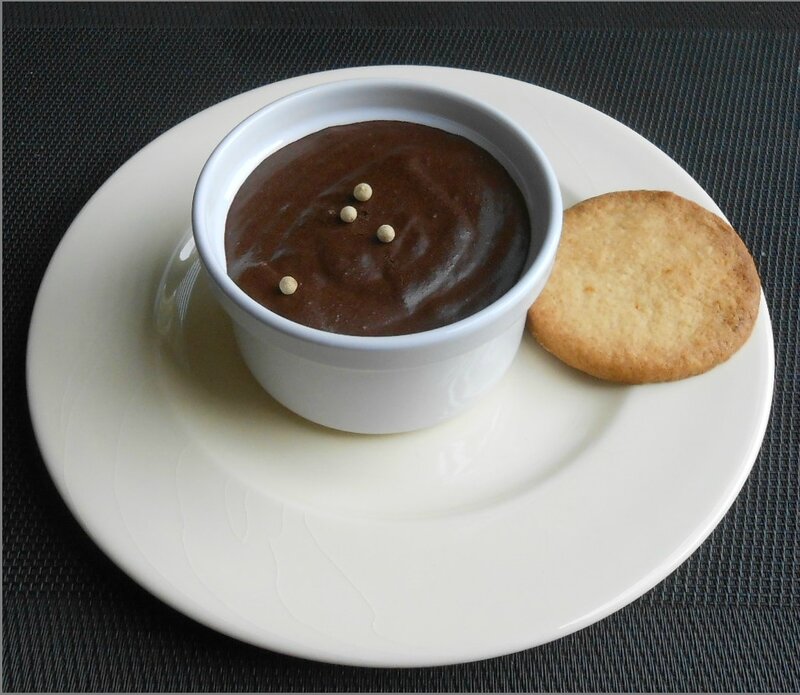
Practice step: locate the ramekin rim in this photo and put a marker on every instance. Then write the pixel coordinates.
(442, 334)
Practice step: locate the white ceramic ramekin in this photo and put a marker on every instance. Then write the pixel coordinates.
(387, 384)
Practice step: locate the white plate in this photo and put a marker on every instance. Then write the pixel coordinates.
(554, 502)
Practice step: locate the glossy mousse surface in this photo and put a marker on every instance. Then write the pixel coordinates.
(461, 224)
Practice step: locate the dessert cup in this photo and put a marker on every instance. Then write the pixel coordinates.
(387, 384)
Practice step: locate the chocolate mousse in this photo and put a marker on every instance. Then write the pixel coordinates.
(459, 230)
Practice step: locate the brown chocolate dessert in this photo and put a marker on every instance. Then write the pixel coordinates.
(459, 240)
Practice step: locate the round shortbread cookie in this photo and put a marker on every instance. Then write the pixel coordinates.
(647, 286)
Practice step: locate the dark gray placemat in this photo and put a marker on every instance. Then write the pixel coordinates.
(716, 86)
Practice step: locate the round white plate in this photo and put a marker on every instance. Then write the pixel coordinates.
(554, 502)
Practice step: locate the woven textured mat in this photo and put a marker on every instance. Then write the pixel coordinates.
(717, 87)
